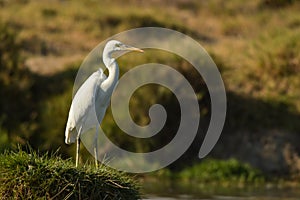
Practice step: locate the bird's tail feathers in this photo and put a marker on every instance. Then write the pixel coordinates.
(71, 135)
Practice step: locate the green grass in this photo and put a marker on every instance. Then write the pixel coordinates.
(33, 176)
(210, 172)
(223, 172)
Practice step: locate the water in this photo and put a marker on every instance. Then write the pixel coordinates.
(175, 191)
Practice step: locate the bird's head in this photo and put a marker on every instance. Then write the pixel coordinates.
(114, 49)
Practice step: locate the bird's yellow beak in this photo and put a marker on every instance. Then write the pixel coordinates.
(135, 49)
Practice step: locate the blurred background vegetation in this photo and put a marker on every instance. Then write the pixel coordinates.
(255, 44)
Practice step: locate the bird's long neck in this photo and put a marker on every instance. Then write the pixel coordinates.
(113, 76)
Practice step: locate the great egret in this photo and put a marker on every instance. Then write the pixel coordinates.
(94, 96)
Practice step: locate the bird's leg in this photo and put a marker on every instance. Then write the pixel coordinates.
(96, 146)
(77, 150)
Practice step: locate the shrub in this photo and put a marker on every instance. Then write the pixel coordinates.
(222, 172)
(16, 104)
(276, 3)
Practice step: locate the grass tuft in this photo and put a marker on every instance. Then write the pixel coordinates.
(33, 176)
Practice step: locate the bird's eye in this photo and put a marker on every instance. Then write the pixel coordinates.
(118, 45)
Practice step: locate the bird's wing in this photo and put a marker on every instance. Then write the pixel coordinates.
(101, 77)
(82, 113)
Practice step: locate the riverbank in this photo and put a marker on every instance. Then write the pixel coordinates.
(214, 176)
(33, 176)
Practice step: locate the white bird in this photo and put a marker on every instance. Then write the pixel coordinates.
(93, 97)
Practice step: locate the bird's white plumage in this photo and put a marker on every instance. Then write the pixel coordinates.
(83, 108)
